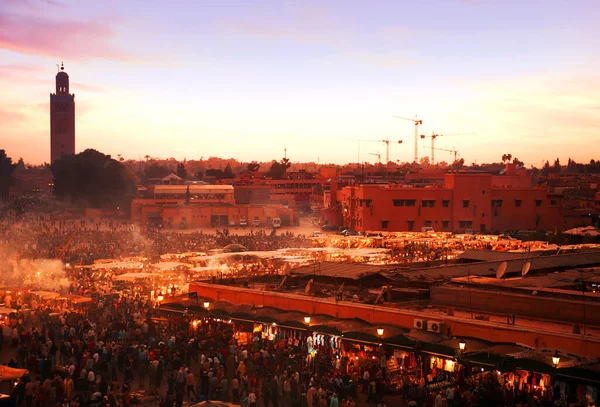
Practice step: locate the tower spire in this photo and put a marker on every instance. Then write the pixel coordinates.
(62, 66)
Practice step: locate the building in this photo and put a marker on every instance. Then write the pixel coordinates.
(466, 201)
(198, 206)
(62, 118)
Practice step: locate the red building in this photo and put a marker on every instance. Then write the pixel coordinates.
(477, 201)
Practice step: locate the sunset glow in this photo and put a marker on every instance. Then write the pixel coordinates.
(246, 79)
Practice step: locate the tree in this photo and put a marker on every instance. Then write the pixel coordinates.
(156, 171)
(253, 166)
(546, 169)
(93, 179)
(6, 170)
(506, 158)
(181, 171)
(458, 164)
(228, 173)
(556, 168)
(424, 162)
(276, 171)
(518, 162)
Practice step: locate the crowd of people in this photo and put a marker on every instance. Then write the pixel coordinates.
(119, 351)
(83, 241)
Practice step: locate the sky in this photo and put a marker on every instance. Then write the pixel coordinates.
(247, 78)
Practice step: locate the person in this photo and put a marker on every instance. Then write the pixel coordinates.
(251, 399)
(191, 384)
(439, 402)
(334, 401)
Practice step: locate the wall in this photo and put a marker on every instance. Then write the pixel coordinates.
(475, 188)
(555, 309)
(197, 216)
(527, 216)
(489, 331)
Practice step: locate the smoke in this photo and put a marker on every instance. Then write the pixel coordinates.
(38, 274)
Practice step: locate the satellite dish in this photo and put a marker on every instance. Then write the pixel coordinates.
(525, 269)
(501, 270)
(308, 286)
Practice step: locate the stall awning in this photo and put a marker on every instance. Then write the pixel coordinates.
(10, 373)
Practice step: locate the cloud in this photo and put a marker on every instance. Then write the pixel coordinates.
(35, 35)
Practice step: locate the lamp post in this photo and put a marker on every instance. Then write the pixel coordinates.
(462, 345)
(556, 359)
(380, 332)
(206, 305)
(307, 320)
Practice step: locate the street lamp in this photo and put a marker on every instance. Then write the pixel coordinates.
(206, 304)
(462, 345)
(307, 320)
(380, 332)
(160, 297)
(556, 359)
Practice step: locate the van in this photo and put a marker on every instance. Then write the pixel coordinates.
(243, 222)
(427, 229)
(255, 223)
(276, 222)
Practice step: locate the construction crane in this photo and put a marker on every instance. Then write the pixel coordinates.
(378, 156)
(417, 123)
(387, 147)
(448, 150)
(435, 136)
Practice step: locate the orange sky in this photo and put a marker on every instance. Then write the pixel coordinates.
(244, 80)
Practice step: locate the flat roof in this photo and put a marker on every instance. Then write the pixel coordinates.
(443, 273)
(353, 271)
(193, 188)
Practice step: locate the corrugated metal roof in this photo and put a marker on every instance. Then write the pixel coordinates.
(493, 255)
(354, 271)
(443, 273)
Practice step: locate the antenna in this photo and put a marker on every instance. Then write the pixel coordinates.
(284, 152)
(501, 271)
(57, 68)
(525, 269)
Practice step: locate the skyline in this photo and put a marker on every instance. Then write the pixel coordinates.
(269, 75)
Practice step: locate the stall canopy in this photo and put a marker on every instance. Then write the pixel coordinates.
(4, 310)
(11, 373)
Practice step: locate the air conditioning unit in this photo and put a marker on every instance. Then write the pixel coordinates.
(435, 326)
(420, 324)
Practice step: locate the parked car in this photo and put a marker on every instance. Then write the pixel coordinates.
(255, 223)
(349, 232)
(243, 223)
(318, 233)
(329, 227)
(276, 222)
(427, 229)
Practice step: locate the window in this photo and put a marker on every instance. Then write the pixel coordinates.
(428, 223)
(411, 224)
(384, 224)
(428, 203)
(411, 202)
(466, 203)
(398, 202)
(445, 224)
(445, 203)
(553, 202)
(538, 203)
(497, 203)
(517, 203)
(465, 224)
(368, 202)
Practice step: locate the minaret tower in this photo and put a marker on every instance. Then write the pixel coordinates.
(62, 118)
